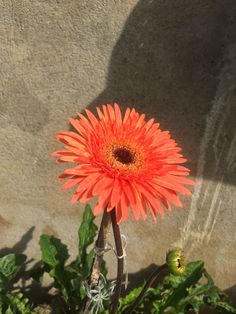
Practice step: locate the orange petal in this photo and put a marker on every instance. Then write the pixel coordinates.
(69, 158)
(125, 206)
(177, 187)
(70, 183)
(185, 180)
(75, 198)
(138, 205)
(140, 121)
(116, 192)
(59, 161)
(149, 124)
(127, 114)
(87, 195)
(78, 126)
(171, 196)
(63, 176)
(63, 153)
(152, 210)
(85, 122)
(77, 150)
(91, 117)
(100, 114)
(89, 181)
(102, 185)
(105, 112)
(103, 201)
(69, 140)
(118, 116)
(111, 112)
(151, 199)
(127, 189)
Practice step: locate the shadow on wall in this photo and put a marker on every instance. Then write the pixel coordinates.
(21, 245)
(167, 63)
(28, 287)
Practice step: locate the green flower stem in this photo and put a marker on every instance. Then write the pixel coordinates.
(148, 284)
(120, 261)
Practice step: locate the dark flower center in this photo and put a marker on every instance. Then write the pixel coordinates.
(123, 155)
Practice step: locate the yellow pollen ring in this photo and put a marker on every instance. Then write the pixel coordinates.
(124, 157)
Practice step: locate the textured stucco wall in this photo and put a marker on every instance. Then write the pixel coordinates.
(174, 60)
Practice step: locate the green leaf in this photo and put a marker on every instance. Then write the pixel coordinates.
(70, 273)
(87, 233)
(9, 310)
(128, 300)
(179, 284)
(15, 303)
(86, 267)
(10, 265)
(225, 306)
(53, 251)
(19, 304)
(215, 297)
(165, 297)
(87, 230)
(64, 283)
(180, 293)
(103, 268)
(55, 254)
(38, 272)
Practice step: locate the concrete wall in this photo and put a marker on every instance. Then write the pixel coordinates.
(174, 60)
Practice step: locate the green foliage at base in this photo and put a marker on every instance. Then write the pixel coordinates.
(10, 265)
(15, 304)
(179, 292)
(12, 303)
(68, 279)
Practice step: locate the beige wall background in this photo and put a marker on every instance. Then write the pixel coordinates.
(175, 61)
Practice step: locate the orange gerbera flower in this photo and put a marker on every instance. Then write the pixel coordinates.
(126, 162)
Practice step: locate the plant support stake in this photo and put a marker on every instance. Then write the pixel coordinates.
(99, 252)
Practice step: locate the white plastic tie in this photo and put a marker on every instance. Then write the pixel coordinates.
(123, 256)
(101, 251)
(109, 247)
